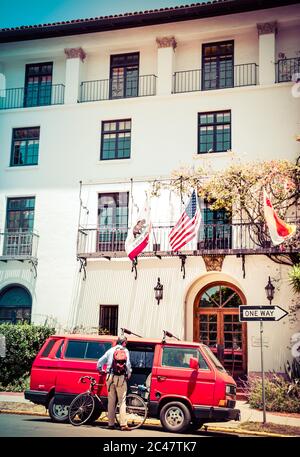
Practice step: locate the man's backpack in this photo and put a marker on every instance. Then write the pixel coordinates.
(118, 366)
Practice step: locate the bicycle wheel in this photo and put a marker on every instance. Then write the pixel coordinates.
(136, 411)
(81, 409)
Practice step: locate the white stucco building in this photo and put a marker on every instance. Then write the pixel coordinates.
(92, 113)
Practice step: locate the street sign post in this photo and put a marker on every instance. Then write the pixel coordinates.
(261, 313)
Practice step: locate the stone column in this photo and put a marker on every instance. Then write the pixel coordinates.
(165, 64)
(266, 34)
(75, 58)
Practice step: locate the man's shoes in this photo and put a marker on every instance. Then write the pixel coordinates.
(111, 427)
(125, 428)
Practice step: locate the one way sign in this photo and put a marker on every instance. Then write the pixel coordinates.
(261, 313)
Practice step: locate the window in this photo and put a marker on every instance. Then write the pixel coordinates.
(124, 75)
(180, 357)
(92, 350)
(15, 305)
(19, 226)
(116, 139)
(217, 65)
(20, 214)
(48, 348)
(113, 221)
(25, 146)
(141, 357)
(214, 131)
(216, 230)
(109, 319)
(38, 84)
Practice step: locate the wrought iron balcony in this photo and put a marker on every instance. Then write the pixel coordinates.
(22, 97)
(19, 245)
(230, 76)
(235, 238)
(108, 89)
(286, 68)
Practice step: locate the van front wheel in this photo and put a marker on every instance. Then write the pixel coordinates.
(175, 417)
(57, 411)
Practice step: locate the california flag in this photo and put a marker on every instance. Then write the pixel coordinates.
(279, 230)
(138, 235)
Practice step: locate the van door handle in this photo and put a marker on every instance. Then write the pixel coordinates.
(161, 378)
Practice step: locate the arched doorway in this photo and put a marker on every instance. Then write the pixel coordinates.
(15, 304)
(216, 323)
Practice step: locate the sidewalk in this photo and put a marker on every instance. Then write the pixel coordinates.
(8, 399)
(252, 415)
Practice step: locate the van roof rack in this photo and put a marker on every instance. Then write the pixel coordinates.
(169, 335)
(129, 332)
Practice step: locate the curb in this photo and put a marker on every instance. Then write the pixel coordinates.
(23, 413)
(208, 428)
(242, 431)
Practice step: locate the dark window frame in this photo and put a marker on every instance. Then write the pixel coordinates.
(39, 75)
(214, 124)
(14, 130)
(216, 43)
(21, 210)
(113, 327)
(125, 67)
(116, 132)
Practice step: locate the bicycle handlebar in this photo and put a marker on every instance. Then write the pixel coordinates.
(90, 378)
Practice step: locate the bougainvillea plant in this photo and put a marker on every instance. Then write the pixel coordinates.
(238, 190)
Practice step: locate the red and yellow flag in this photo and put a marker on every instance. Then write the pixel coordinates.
(279, 230)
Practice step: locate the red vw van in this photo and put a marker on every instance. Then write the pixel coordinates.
(187, 380)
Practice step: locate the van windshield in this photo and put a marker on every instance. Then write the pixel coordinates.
(213, 358)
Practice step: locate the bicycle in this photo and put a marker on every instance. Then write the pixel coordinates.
(87, 406)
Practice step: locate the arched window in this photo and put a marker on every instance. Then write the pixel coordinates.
(220, 296)
(15, 304)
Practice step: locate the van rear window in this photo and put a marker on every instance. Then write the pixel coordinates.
(48, 348)
(91, 350)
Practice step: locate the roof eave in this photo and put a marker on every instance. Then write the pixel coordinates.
(139, 20)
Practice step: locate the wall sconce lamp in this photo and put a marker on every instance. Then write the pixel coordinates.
(270, 289)
(159, 288)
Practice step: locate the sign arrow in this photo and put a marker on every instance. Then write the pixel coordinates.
(262, 313)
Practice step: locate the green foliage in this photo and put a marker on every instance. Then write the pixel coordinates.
(281, 396)
(23, 341)
(294, 277)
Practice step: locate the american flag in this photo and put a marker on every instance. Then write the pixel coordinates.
(188, 225)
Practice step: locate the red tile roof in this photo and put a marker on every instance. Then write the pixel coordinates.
(137, 19)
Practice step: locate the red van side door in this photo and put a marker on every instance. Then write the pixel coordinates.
(173, 376)
(79, 358)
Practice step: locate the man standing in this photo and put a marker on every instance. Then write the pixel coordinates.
(118, 369)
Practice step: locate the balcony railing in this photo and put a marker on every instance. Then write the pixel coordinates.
(230, 76)
(286, 68)
(235, 238)
(18, 245)
(26, 98)
(108, 89)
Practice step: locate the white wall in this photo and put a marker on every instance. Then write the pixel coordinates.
(265, 121)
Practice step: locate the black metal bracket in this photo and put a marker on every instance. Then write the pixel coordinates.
(133, 267)
(34, 264)
(83, 264)
(243, 266)
(183, 260)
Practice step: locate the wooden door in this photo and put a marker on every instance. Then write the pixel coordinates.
(216, 324)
